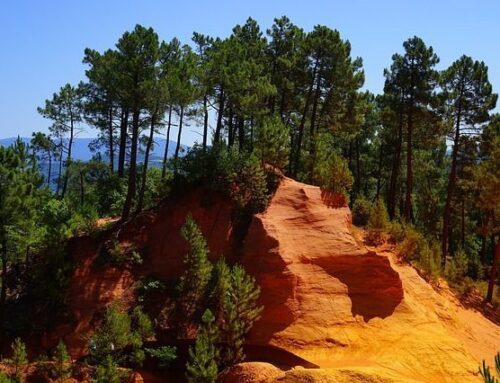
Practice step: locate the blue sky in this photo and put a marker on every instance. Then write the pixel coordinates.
(42, 42)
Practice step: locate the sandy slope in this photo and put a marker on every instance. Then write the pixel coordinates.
(344, 307)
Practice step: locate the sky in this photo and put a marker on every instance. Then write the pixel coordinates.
(42, 42)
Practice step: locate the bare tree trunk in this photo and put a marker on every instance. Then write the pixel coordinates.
(205, 122)
(140, 202)
(111, 143)
(68, 158)
(123, 142)
(179, 133)
(132, 178)
(409, 168)
(167, 142)
(451, 188)
(218, 127)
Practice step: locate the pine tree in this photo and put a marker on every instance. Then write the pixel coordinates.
(19, 359)
(65, 109)
(202, 366)
(241, 310)
(271, 142)
(108, 372)
(61, 358)
(194, 281)
(468, 97)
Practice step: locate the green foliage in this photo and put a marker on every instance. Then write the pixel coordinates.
(4, 378)
(195, 279)
(457, 267)
(361, 211)
(429, 259)
(61, 360)
(202, 366)
(165, 355)
(121, 336)
(237, 174)
(108, 372)
(271, 142)
(241, 310)
(485, 372)
(331, 170)
(19, 359)
(378, 222)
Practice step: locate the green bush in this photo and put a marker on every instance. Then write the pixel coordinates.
(271, 141)
(429, 259)
(361, 211)
(164, 355)
(238, 175)
(409, 247)
(121, 336)
(108, 372)
(457, 267)
(4, 378)
(378, 223)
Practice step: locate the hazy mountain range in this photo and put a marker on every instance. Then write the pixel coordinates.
(82, 152)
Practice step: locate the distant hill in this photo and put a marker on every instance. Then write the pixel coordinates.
(82, 152)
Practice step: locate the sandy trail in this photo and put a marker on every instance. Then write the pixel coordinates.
(342, 306)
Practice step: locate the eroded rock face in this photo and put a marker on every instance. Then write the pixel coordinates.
(342, 307)
(358, 314)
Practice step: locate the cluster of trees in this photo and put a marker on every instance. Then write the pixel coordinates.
(224, 322)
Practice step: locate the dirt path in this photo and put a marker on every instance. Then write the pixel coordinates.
(339, 305)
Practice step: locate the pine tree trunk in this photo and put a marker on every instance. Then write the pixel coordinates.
(132, 178)
(241, 132)
(140, 202)
(60, 168)
(50, 168)
(123, 142)
(396, 165)
(303, 122)
(409, 168)
(68, 158)
(218, 127)
(167, 142)
(493, 273)
(205, 122)
(111, 143)
(179, 133)
(451, 187)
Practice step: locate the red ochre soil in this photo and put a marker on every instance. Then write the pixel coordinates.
(356, 312)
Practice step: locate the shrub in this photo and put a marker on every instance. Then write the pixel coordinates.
(121, 336)
(397, 231)
(485, 372)
(108, 372)
(361, 211)
(457, 267)
(409, 246)
(19, 358)
(429, 258)
(330, 170)
(164, 355)
(4, 378)
(377, 223)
